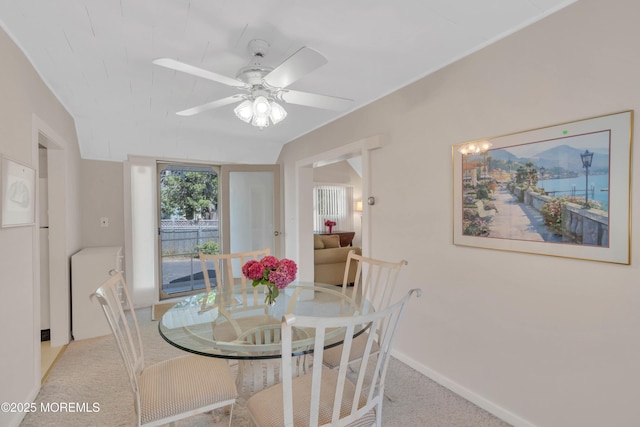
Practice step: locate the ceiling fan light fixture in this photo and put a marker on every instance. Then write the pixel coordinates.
(260, 120)
(278, 113)
(261, 106)
(258, 111)
(244, 111)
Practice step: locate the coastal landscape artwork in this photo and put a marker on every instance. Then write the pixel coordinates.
(561, 190)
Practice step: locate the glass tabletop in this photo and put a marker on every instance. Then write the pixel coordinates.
(233, 324)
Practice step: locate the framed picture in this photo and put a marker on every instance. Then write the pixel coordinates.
(561, 190)
(18, 194)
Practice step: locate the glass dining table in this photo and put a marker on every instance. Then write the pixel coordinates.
(237, 324)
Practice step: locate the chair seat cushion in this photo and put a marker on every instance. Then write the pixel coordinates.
(184, 384)
(267, 409)
(332, 355)
(230, 330)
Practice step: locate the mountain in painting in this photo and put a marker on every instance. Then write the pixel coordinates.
(561, 157)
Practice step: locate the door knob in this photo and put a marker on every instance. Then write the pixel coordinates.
(276, 233)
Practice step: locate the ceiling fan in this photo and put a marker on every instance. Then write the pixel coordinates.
(264, 86)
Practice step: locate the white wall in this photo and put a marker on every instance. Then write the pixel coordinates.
(101, 194)
(537, 340)
(25, 101)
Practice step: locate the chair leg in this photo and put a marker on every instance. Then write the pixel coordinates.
(230, 414)
(240, 376)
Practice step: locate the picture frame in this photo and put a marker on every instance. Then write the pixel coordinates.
(562, 190)
(17, 204)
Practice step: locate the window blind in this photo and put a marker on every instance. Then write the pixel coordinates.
(333, 202)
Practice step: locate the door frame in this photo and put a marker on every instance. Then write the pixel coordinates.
(302, 238)
(160, 164)
(60, 309)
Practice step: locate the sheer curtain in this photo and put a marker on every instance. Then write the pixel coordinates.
(335, 203)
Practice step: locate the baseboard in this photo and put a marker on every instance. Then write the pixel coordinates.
(476, 399)
(15, 419)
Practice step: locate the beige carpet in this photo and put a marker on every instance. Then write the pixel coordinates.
(91, 371)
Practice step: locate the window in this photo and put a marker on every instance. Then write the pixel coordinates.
(333, 202)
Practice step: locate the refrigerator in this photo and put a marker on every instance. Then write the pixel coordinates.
(89, 268)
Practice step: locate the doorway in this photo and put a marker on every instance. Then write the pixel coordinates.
(48, 353)
(227, 209)
(337, 197)
(188, 223)
(301, 241)
(51, 275)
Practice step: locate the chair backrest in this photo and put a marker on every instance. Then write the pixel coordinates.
(345, 400)
(374, 280)
(113, 296)
(228, 269)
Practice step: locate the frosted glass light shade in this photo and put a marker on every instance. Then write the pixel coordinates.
(278, 113)
(244, 111)
(260, 120)
(261, 106)
(258, 111)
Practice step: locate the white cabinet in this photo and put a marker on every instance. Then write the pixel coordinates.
(89, 268)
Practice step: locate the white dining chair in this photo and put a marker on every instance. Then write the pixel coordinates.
(258, 374)
(328, 397)
(169, 390)
(228, 271)
(374, 281)
(246, 297)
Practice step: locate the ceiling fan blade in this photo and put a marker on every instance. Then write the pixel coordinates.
(316, 100)
(210, 105)
(294, 67)
(195, 71)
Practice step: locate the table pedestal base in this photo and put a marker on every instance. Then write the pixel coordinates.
(256, 375)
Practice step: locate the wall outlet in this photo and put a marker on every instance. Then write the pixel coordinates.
(104, 222)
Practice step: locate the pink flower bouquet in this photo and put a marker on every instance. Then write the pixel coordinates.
(273, 273)
(329, 224)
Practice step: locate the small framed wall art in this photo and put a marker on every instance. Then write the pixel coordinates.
(18, 194)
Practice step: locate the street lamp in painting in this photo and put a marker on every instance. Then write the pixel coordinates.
(587, 158)
(542, 171)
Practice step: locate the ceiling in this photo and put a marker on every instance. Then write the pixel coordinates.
(96, 57)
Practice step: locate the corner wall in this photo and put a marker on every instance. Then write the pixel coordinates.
(25, 100)
(536, 340)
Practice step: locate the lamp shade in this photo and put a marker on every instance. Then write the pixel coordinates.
(278, 113)
(261, 106)
(259, 111)
(244, 111)
(260, 120)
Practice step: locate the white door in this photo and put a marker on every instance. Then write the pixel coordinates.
(250, 208)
